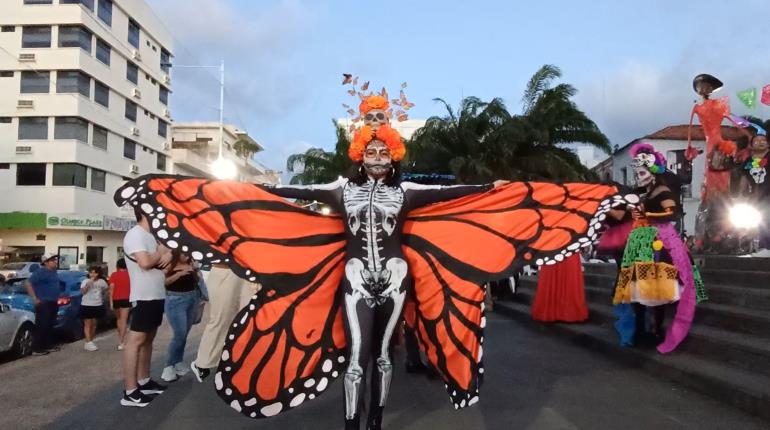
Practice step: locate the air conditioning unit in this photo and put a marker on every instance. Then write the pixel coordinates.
(23, 149)
(135, 131)
(166, 113)
(167, 79)
(136, 55)
(167, 146)
(136, 93)
(25, 104)
(134, 169)
(27, 57)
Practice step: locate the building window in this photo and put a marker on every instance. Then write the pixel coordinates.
(71, 127)
(38, 1)
(30, 174)
(129, 149)
(624, 174)
(73, 82)
(33, 128)
(131, 110)
(161, 162)
(8, 28)
(75, 36)
(100, 137)
(101, 94)
(133, 33)
(35, 82)
(6, 74)
(162, 128)
(163, 95)
(36, 37)
(87, 3)
(105, 11)
(165, 60)
(103, 51)
(69, 174)
(98, 179)
(5, 120)
(132, 72)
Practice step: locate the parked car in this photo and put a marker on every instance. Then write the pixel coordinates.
(18, 270)
(16, 330)
(68, 320)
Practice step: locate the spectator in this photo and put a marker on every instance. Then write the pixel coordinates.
(146, 261)
(120, 288)
(181, 307)
(92, 304)
(43, 288)
(227, 295)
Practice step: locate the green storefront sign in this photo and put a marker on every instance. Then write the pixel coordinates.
(75, 222)
(22, 220)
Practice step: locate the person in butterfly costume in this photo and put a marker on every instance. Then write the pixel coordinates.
(334, 286)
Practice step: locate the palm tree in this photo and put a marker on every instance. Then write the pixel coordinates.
(316, 166)
(483, 142)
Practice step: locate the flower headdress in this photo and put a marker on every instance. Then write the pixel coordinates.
(645, 155)
(370, 101)
(385, 134)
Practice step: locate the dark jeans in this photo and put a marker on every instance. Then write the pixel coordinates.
(45, 318)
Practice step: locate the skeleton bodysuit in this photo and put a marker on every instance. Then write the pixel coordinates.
(376, 274)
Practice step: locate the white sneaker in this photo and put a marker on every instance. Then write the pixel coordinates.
(169, 374)
(181, 369)
(90, 346)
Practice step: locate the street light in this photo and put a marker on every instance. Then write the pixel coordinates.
(222, 168)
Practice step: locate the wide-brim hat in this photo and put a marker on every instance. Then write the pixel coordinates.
(707, 79)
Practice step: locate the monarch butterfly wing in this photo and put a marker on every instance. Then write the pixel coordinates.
(286, 345)
(456, 246)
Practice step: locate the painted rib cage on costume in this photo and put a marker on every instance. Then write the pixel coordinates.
(289, 343)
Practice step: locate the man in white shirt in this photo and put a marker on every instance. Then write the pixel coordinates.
(145, 260)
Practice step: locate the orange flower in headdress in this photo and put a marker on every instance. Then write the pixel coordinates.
(373, 102)
(385, 134)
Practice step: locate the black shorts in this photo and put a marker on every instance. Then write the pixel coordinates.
(117, 304)
(91, 312)
(146, 315)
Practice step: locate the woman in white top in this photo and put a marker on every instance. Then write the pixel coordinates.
(92, 304)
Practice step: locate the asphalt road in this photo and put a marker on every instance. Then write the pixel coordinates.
(533, 381)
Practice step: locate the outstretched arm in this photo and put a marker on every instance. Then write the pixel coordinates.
(325, 193)
(418, 195)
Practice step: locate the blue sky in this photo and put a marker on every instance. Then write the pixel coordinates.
(632, 62)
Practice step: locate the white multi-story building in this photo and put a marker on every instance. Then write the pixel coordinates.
(84, 89)
(195, 147)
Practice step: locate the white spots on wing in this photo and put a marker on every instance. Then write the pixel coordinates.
(296, 401)
(231, 337)
(127, 192)
(251, 402)
(574, 246)
(462, 403)
(311, 397)
(147, 208)
(244, 318)
(291, 390)
(327, 366)
(163, 234)
(271, 410)
(539, 262)
(631, 198)
(335, 374)
(235, 405)
(309, 383)
(225, 355)
(559, 257)
(155, 223)
(172, 244)
(218, 381)
(253, 414)
(197, 255)
(209, 255)
(229, 392)
(341, 359)
(252, 307)
(473, 400)
(483, 322)
(481, 352)
(322, 384)
(185, 248)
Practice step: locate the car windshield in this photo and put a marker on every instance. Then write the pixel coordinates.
(12, 266)
(14, 286)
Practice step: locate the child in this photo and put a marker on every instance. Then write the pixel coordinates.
(120, 290)
(92, 304)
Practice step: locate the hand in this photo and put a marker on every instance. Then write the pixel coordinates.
(164, 260)
(500, 182)
(637, 212)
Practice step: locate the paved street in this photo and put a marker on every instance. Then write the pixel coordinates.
(534, 381)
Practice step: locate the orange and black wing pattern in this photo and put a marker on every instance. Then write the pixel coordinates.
(288, 343)
(455, 247)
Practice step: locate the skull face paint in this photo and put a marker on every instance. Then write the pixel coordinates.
(377, 161)
(375, 118)
(641, 164)
(758, 174)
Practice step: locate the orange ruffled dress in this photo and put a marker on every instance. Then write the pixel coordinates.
(711, 113)
(560, 295)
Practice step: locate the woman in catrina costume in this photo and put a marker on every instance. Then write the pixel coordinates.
(336, 286)
(656, 269)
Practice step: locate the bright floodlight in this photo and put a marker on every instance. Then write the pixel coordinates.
(223, 168)
(743, 215)
(325, 210)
